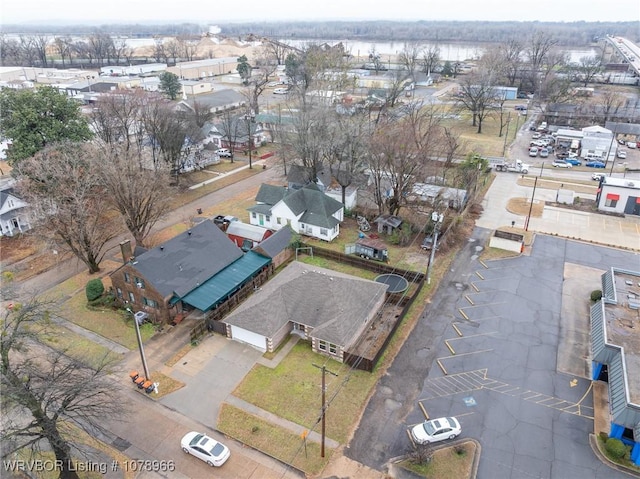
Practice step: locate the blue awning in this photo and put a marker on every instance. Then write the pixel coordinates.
(230, 279)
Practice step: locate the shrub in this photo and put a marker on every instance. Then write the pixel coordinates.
(94, 289)
(615, 447)
(596, 295)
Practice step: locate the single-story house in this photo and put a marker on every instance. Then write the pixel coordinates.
(308, 211)
(246, 236)
(196, 87)
(198, 269)
(330, 309)
(439, 195)
(14, 211)
(216, 102)
(299, 176)
(619, 195)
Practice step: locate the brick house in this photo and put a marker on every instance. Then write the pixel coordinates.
(197, 270)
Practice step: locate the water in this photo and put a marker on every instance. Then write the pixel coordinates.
(454, 52)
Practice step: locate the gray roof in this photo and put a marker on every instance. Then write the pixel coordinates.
(276, 243)
(216, 99)
(270, 194)
(246, 230)
(334, 305)
(188, 260)
(623, 128)
(300, 176)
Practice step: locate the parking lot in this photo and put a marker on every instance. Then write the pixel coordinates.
(502, 347)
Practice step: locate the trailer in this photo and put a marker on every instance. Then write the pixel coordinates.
(516, 167)
(372, 249)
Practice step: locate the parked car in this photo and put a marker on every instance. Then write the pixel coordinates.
(205, 448)
(573, 161)
(535, 135)
(533, 151)
(622, 154)
(427, 243)
(280, 91)
(632, 144)
(595, 164)
(520, 107)
(598, 176)
(561, 164)
(273, 84)
(621, 141)
(544, 153)
(224, 152)
(436, 430)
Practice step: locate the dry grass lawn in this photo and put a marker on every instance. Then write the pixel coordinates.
(521, 206)
(447, 462)
(273, 440)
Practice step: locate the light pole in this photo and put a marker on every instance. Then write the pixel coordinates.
(437, 224)
(250, 118)
(139, 338)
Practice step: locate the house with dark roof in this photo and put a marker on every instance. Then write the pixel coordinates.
(14, 211)
(330, 309)
(277, 247)
(198, 269)
(308, 211)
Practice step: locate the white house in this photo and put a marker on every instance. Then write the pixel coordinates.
(598, 144)
(308, 211)
(619, 195)
(14, 217)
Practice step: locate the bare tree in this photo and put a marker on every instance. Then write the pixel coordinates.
(430, 58)
(188, 47)
(540, 43)
(260, 73)
(276, 49)
(409, 57)
(66, 195)
(511, 52)
(141, 195)
(346, 149)
(477, 94)
(588, 68)
(120, 50)
(101, 45)
(28, 50)
(9, 50)
(41, 44)
(231, 129)
(160, 51)
(62, 46)
(611, 102)
(43, 390)
(117, 115)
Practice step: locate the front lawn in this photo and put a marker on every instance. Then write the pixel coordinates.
(292, 390)
(272, 439)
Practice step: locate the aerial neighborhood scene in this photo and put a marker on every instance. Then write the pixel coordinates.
(353, 240)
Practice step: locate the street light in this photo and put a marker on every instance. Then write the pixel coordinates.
(437, 219)
(250, 118)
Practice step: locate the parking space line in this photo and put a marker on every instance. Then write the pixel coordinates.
(479, 275)
(473, 285)
(449, 346)
(458, 332)
(483, 264)
(441, 367)
(424, 411)
(463, 314)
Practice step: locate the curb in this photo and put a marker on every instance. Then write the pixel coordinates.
(405, 474)
(593, 442)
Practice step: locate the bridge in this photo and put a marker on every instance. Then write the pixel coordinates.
(624, 50)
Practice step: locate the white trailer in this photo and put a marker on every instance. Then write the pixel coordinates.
(516, 167)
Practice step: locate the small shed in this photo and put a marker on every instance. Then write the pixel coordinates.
(387, 223)
(372, 249)
(246, 236)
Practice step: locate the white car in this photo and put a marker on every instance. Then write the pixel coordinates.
(533, 151)
(598, 176)
(224, 152)
(622, 154)
(561, 164)
(436, 430)
(280, 91)
(632, 144)
(203, 447)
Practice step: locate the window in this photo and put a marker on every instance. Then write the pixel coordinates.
(267, 218)
(302, 227)
(119, 293)
(139, 282)
(127, 278)
(327, 347)
(132, 297)
(253, 215)
(611, 200)
(279, 220)
(149, 302)
(10, 203)
(323, 231)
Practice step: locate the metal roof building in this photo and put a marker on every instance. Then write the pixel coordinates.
(615, 349)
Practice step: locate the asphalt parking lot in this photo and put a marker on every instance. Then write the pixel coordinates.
(495, 348)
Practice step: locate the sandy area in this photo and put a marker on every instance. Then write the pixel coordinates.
(216, 48)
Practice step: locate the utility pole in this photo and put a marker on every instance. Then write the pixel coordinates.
(324, 407)
(535, 183)
(437, 223)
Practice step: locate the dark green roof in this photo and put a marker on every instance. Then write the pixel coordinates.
(218, 288)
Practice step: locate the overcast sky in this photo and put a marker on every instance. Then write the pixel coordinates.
(211, 12)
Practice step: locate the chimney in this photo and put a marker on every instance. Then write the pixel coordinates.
(125, 250)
